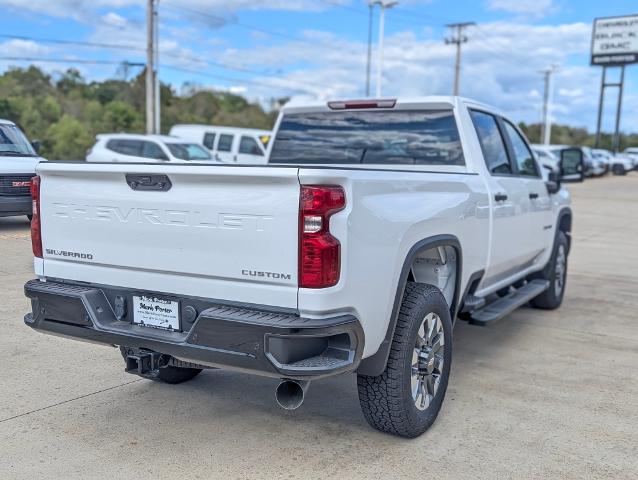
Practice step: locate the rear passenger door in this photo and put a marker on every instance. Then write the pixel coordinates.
(540, 225)
(510, 250)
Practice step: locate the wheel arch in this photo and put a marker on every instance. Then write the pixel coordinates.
(564, 224)
(375, 364)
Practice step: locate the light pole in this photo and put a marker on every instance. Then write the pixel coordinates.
(384, 4)
(546, 135)
(370, 21)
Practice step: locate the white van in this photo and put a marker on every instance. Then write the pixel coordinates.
(18, 159)
(228, 144)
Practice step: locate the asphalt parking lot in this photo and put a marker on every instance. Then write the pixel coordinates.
(540, 395)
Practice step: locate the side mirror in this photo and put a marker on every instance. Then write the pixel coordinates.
(36, 145)
(572, 165)
(553, 182)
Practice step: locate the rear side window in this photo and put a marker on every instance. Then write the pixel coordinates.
(225, 143)
(492, 143)
(126, 147)
(522, 153)
(249, 146)
(370, 137)
(209, 140)
(154, 151)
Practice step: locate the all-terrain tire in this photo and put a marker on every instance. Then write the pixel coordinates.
(556, 273)
(387, 400)
(169, 374)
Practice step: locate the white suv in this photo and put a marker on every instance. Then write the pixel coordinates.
(127, 148)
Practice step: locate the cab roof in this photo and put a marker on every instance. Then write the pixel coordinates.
(6, 122)
(443, 102)
(139, 136)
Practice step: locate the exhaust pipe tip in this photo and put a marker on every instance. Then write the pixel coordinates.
(290, 394)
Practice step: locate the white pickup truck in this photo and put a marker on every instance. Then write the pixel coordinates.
(375, 226)
(18, 159)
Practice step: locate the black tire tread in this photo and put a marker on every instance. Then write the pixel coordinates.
(548, 300)
(381, 397)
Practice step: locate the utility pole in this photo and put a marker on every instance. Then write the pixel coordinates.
(546, 132)
(458, 39)
(384, 4)
(151, 73)
(157, 92)
(370, 22)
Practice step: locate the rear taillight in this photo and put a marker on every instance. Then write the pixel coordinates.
(36, 231)
(319, 251)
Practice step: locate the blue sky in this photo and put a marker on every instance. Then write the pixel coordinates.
(316, 48)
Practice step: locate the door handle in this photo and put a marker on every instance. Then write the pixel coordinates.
(533, 196)
(500, 197)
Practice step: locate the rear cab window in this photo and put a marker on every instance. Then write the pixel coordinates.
(153, 151)
(387, 137)
(132, 148)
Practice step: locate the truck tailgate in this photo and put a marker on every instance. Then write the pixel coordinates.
(227, 233)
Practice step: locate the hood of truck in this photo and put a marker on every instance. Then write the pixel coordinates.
(11, 165)
(227, 233)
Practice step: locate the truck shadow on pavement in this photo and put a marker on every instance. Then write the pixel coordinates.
(226, 402)
(14, 225)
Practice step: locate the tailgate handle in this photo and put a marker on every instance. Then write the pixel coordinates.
(148, 183)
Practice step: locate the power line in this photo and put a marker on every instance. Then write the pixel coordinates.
(73, 42)
(236, 80)
(168, 67)
(68, 60)
(134, 48)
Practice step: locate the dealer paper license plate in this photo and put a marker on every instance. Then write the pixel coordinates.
(156, 312)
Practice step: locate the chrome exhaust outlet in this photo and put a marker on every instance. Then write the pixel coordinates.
(290, 393)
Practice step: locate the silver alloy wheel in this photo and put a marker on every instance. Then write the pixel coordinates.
(560, 271)
(427, 361)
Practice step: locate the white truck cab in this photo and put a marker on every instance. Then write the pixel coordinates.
(18, 160)
(228, 144)
(374, 226)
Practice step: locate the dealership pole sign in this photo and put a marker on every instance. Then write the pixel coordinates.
(615, 41)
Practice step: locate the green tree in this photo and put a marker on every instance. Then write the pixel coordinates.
(67, 139)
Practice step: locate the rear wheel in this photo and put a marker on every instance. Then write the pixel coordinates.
(175, 375)
(619, 170)
(556, 273)
(407, 397)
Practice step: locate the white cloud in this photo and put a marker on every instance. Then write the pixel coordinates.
(22, 48)
(114, 20)
(83, 9)
(501, 66)
(534, 8)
